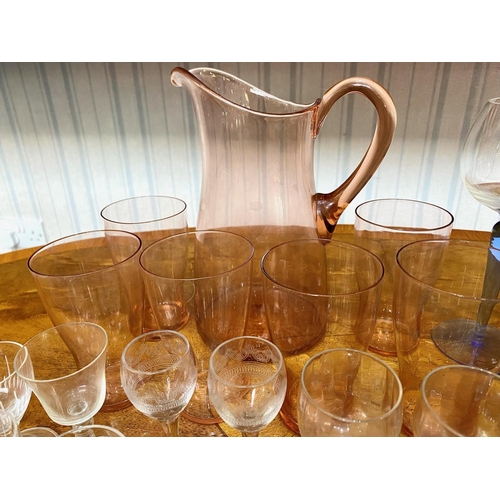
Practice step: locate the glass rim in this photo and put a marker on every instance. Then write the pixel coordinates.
(300, 109)
(47, 430)
(404, 200)
(173, 333)
(83, 428)
(271, 377)
(53, 244)
(439, 369)
(24, 351)
(494, 100)
(343, 244)
(183, 204)
(384, 416)
(190, 234)
(479, 244)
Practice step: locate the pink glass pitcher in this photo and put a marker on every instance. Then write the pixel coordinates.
(258, 175)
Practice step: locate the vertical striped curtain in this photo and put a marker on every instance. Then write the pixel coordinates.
(75, 137)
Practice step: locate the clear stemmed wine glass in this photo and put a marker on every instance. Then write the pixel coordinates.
(15, 394)
(247, 383)
(476, 342)
(65, 367)
(480, 160)
(158, 374)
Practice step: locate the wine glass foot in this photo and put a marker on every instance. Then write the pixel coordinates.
(93, 430)
(468, 343)
(250, 434)
(170, 427)
(38, 432)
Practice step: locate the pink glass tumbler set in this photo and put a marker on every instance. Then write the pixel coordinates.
(261, 310)
(322, 300)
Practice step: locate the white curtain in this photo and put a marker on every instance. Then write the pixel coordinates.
(75, 137)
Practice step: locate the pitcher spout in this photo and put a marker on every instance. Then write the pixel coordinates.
(232, 90)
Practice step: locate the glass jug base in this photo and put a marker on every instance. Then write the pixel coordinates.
(288, 410)
(199, 409)
(257, 325)
(383, 341)
(290, 421)
(116, 399)
(111, 405)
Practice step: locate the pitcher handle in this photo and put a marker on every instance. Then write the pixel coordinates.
(329, 206)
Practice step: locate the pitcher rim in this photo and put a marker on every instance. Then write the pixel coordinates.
(305, 108)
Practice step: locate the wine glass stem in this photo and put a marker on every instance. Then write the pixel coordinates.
(250, 434)
(491, 285)
(170, 428)
(87, 433)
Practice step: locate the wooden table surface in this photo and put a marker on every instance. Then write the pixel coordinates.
(22, 316)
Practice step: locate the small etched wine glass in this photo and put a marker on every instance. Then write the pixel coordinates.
(247, 383)
(65, 367)
(15, 394)
(158, 374)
